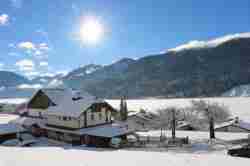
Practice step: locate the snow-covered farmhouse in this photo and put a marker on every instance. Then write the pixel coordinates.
(76, 118)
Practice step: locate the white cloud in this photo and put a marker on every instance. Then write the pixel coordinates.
(55, 83)
(13, 54)
(43, 80)
(16, 3)
(1, 66)
(4, 19)
(29, 86)
(31, 74)
(39, 51)
(25, 65)
(43, 46)
(48, 74)
(43, 64)
(11, 45)
(62, 72)
(27, 45)
(210, 43)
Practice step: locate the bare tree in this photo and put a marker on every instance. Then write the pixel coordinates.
(209, 113)
(168, 118)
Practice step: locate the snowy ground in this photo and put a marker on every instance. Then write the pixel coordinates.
(6, 118)
(238, 106)
(197, 135)
(196, 154)
(52, 156)
(12, 100)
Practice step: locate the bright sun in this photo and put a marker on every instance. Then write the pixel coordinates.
(91, 31)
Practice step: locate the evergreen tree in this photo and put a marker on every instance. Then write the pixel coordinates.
(123, 110)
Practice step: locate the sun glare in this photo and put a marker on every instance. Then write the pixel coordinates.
(91, 31)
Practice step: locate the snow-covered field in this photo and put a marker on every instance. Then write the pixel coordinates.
(238, 106)
(196, 155)
(6, 118)
(197, 135)
(12, 100)
(52, 156)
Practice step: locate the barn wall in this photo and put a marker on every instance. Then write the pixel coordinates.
(40, 100)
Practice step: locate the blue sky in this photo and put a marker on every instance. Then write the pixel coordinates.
(41, 37)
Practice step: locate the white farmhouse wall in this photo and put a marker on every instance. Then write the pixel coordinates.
(79, 122)
(58, 121)
(97, 120)
(36, 112)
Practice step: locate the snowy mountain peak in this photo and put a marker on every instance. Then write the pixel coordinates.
(239, 91)
(196, 44)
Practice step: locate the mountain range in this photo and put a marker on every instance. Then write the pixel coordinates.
(207, 69)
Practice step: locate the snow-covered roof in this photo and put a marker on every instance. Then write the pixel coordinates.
(241, 124)
(109, 130)
(147, 116)
(69, 107)
(56, 95)
(27, 121)
(183, 124)
(10, 128)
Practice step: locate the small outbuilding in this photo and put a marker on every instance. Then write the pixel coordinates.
(142, 121)
(183, 125)
(235, 125)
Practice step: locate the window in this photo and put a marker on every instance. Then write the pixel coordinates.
(64, 118)
(69, 118)
(92, 116)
